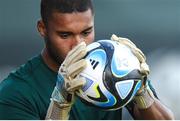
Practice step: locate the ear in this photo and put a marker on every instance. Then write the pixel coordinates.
(41, 28)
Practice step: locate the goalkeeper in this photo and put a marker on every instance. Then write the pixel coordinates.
(44, 87)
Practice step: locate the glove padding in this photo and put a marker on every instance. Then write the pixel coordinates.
(72, 66)
(67, 83)
(144, 97)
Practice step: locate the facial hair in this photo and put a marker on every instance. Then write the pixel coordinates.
(53, 53)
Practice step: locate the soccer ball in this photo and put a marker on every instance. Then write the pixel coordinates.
(112, 75)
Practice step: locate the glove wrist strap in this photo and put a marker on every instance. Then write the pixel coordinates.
(144, 99)
(61, 96)
(58, 111)
(57, 96)
(59, 107)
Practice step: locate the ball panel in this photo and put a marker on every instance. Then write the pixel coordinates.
(123, 61)
(124, 87)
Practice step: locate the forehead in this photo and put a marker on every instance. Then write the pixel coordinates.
(71, 21)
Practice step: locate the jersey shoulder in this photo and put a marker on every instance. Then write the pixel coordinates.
(24, 91)
(16, 100)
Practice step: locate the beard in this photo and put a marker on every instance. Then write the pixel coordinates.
(53, 53)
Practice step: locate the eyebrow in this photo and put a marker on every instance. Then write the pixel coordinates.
(67, 32)
(64, 32)
(89, 28)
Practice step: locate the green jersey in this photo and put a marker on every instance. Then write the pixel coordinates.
(25, 94)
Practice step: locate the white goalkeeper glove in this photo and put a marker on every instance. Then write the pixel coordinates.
(144, 97)
(67, 83)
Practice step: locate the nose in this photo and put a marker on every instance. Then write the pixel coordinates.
(77, 40)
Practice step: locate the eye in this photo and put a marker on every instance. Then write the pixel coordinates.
(86, 33)
(64, 35)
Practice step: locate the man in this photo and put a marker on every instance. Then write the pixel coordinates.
(44, 87)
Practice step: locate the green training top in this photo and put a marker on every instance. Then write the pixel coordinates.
(25, 94)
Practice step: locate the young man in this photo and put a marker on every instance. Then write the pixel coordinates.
(44, 87)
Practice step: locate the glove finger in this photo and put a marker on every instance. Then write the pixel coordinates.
(75, 68)
(139, 54)
(76, 53)
(114, 37)
(122, 40)
(76, 84)
(136, 51)
(128, 43)
(145, 69)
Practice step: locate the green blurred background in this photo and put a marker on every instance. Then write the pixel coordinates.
(154, 25)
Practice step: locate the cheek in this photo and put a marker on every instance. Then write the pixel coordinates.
(61, 47)
(90, 38)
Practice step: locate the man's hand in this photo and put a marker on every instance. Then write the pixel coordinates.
(68, 82)
(68, 78)
(144, 97)
(144, 68)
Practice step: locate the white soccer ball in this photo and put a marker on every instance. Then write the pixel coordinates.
(112, 75)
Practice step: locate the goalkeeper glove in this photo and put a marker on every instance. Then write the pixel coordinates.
(67, 83)
(144, 97)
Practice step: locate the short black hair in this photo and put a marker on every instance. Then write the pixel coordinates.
(64, 6)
